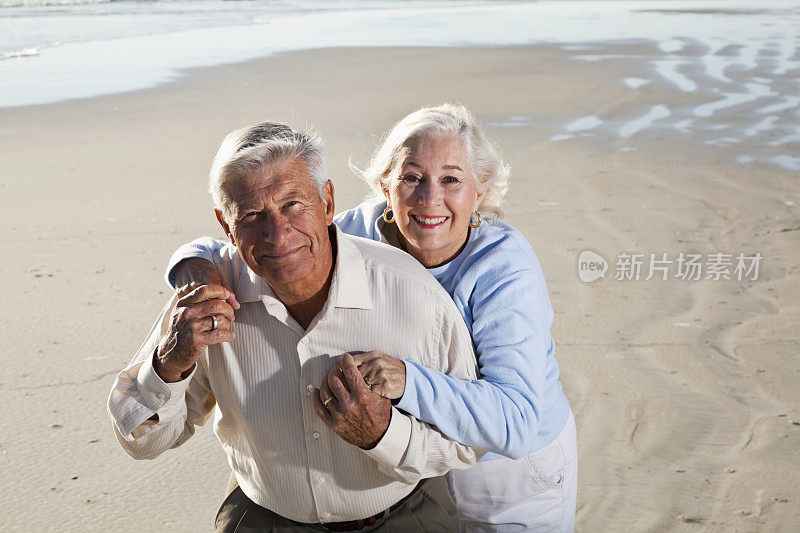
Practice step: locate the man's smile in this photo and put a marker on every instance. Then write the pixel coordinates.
(279, 255)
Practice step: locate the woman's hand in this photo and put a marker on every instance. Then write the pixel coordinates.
(193, 272)
(386, 375)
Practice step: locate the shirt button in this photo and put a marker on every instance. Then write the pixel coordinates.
(315, 434)
(305, 340)
(310, 390)
(320, 480)
(327, 516)
(161, 396)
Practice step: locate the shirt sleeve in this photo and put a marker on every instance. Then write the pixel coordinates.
(511, 332)
(139, 393)
(203, 248)
(410, 449)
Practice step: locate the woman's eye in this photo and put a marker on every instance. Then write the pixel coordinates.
(450, 179)
(409, 178)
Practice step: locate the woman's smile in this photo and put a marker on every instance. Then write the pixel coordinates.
(429, 221)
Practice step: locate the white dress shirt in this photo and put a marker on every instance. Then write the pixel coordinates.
(284, 457)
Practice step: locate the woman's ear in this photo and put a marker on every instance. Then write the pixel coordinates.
(480, 193)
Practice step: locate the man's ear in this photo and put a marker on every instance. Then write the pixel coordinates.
(225, 227)
(327, 199)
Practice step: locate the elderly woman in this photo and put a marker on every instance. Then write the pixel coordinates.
(440, 184)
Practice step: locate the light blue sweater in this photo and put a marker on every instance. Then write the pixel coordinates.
(498, 287)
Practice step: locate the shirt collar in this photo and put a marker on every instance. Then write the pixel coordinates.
(349, 284)
(250, 287)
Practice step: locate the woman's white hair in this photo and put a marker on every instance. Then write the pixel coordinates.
(255, 148)
(444, 120)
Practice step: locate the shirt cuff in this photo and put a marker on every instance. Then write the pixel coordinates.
(408, 401)
(163, 398)
(394, 443)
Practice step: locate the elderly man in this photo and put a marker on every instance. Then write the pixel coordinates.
(338, 458)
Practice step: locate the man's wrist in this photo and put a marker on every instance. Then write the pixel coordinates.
(158, 395)
(374, 443)
(167, 374)
(393, 444)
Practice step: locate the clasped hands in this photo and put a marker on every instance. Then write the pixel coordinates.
(202, 316)
(353, 398)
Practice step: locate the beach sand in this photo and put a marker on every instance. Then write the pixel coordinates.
(685, 392)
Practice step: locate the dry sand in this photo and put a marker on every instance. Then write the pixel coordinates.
(685, 392)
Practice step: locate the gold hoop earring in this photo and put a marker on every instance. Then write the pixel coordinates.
(386, 217)
(471, 225)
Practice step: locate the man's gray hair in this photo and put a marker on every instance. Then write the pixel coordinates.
(255, 148)
(443, 120)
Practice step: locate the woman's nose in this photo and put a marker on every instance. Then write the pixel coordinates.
(429, 193)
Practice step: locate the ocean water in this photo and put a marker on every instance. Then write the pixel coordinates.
(53, 50)
(742, 56)
(28, 27)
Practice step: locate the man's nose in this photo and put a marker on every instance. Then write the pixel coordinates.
(276, 229)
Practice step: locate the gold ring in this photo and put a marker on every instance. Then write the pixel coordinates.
(327, 401)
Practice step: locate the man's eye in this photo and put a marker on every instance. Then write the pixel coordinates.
(292, 203)
(250, 215)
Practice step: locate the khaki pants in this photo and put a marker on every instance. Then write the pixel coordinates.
(431, 509)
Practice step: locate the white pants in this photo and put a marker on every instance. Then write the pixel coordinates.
(535, 493)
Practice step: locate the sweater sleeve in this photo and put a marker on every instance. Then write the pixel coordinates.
(502, 411)
(410, 449)
(360, 221)
(203, 248)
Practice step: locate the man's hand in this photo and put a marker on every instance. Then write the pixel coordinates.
(201, 317)
(348, 407)
(384, 374)
(194, 272)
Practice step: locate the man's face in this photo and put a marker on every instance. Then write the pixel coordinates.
(279, 224)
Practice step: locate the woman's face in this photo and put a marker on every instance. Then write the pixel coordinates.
(433, 193)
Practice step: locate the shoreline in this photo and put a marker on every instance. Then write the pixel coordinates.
(115, 62)
(678, 387)
(768, 132)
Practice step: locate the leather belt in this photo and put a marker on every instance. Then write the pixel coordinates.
(356, 525)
